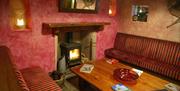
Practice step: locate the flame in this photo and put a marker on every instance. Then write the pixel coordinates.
(74, 54)
(110, 11)
(20, 22)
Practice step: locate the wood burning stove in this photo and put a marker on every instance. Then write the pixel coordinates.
(71, 51)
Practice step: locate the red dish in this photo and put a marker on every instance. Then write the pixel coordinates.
(125, 76)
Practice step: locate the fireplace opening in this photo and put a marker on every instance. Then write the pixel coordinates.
(69, 37)
(70, 50)
(74, 48)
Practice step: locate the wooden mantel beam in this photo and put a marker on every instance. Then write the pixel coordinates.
(60, 25)
(72, 27)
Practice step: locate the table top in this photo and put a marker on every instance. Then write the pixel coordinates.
(102, 77)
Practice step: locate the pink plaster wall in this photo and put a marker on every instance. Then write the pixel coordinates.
(158, 20)
(33, 48)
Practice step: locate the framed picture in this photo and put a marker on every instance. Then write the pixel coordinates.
(78, 6)
(140, 13)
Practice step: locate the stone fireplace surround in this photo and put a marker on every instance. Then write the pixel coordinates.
(82, 31)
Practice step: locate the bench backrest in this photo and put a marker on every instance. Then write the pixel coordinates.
(8, 80)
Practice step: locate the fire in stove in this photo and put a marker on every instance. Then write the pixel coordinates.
(74, 54)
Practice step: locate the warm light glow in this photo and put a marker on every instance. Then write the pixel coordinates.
(140, 11)
(74, 54)
(110, 11)
(72, 4)
(20, 22)
(112, 7)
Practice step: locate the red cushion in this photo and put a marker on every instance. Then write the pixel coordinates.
(116, 54)
(39, 80)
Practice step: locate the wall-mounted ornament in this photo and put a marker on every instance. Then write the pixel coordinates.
(174, 9)
(140, 13)
(20, 15)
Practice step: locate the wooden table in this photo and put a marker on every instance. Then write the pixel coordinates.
(101, 77)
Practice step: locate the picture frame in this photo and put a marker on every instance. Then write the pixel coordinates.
(140, 13)
(78, 6)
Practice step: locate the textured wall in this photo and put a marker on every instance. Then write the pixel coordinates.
(158, 20)
(33, 48)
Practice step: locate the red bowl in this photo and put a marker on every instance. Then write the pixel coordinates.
(125, 76)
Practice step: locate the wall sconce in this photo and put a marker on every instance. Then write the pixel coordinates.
(139, 13)
(112, 8)
(19, 15)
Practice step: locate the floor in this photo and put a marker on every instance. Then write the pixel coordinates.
(72, 84)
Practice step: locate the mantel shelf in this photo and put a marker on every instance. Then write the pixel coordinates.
(79, 24)
(56, 28)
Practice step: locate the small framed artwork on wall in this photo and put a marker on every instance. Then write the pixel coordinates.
(140, 13)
